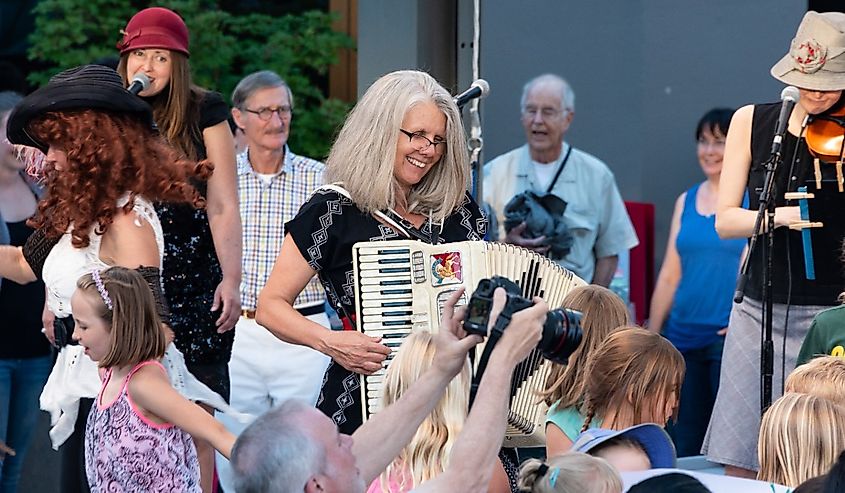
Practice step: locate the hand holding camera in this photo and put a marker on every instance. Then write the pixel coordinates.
(452, 343)
(524, 331)
(561, 328)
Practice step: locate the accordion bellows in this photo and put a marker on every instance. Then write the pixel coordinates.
(401, 286)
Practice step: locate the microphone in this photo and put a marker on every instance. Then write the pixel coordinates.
(479, 89)
(788, 97)
(139, 83)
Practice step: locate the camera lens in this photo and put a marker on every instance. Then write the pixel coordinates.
(561, 335)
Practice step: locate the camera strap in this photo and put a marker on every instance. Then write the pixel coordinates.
(502, 321)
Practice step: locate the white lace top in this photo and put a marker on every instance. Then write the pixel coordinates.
(74, 375)
(65, 264)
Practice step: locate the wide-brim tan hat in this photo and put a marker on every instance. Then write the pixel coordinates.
(816, 58)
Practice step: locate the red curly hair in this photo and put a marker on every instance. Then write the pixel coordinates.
(109, 155)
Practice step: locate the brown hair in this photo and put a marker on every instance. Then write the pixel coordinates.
(823, 377)
(633, 373)
(136, 334)
(801, 436)
(603, 311)
(109, 155)
(177, 112)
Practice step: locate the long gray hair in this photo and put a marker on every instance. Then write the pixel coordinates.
(363, 155)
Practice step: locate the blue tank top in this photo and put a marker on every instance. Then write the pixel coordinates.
(709, 268)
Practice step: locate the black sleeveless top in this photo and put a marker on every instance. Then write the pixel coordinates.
(20, 310)
(788, 261)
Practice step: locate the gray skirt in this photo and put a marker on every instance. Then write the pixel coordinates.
(731, 438)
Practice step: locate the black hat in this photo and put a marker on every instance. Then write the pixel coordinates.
(672, 482)
(84, 87)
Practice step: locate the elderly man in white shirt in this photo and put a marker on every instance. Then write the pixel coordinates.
(273, 183)
(595, 215)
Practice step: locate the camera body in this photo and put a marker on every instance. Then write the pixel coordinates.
(561, 331)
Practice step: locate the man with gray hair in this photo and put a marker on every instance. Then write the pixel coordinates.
(273, 183)
(575, 191)
(295, 448)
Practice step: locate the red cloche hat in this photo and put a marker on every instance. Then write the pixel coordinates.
(155, 27)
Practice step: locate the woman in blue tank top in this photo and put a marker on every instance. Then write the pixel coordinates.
(692, 299)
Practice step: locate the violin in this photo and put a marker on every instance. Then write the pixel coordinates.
(825, 138)
(825, 134)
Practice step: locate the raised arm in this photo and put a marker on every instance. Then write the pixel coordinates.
(732, 220)
(13, 265)
(378, 441)
(670, 273)
(225, 222)
(353, 350)
(475, 452)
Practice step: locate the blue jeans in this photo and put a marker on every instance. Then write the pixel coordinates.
(21, 381)
(701, 383)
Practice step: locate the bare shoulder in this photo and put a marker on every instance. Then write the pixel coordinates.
(148, 380)
(743, 116)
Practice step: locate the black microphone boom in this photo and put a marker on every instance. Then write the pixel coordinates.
(139, 83)
(479, 89)
(788, 97)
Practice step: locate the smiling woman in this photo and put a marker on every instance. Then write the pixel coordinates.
(692, 298)
(202, 263)
(815, 63)
(401, 154)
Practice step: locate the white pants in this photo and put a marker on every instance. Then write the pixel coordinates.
(264, 371)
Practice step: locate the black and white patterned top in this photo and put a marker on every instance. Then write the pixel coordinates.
(326, 227)
(324, 231)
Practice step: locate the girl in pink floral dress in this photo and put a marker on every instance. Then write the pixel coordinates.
(138, 436)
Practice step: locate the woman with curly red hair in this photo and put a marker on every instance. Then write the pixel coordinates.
(104, 167)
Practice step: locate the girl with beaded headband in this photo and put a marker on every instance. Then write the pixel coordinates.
(815, 64)
(117, 325)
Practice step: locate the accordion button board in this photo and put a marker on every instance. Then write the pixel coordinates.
(401, 286)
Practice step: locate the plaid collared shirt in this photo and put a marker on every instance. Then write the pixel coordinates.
(265, 207)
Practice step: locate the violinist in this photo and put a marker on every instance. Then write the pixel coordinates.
(816, 65)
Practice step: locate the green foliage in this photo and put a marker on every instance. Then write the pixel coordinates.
(224, 47)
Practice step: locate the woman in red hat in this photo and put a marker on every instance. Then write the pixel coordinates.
(202, 264)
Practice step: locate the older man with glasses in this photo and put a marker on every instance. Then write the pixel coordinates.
(574, 190)
(273, 183)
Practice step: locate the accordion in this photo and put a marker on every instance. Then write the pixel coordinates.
(402, 285)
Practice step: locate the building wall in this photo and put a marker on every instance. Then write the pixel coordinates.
(644, 71)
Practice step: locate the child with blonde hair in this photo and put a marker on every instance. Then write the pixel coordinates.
(427, 454)
(633, 377)
(602, 312)
(801, 436)
(138, 435)
(573, 472)
(823, 377)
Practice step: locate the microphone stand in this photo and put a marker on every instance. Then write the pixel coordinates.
(766, 209)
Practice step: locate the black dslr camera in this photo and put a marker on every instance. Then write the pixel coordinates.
(561, 331)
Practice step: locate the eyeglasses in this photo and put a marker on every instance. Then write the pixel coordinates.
(545, 113)
(717, 143)
(420, 142)
(267, 113)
